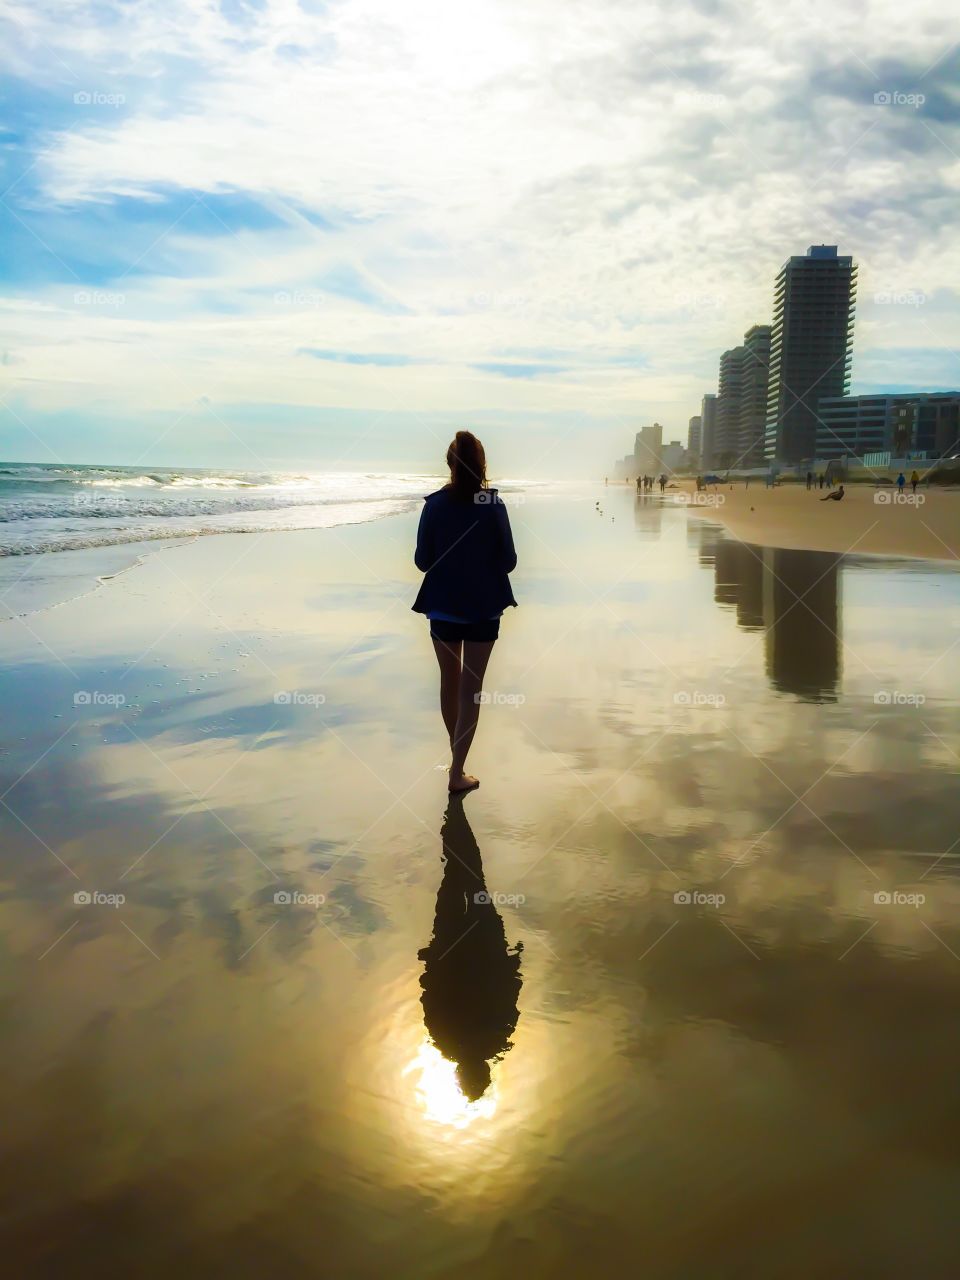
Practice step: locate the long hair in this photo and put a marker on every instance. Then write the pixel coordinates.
(468, 465)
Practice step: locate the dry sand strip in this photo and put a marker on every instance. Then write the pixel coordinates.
(867, 521)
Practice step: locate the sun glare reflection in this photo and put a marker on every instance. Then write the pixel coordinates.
(439, 1093)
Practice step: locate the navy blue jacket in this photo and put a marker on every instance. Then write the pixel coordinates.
(465, 550)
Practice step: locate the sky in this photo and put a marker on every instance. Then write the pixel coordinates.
(327, 234)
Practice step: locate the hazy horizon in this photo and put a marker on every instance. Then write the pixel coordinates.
(274, 236)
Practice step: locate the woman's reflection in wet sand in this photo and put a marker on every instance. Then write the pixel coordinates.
(471, 978)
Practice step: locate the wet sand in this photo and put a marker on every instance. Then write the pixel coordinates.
(867, 520)
(638, 998)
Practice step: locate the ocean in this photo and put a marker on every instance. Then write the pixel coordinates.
(102, 519)
(49, 508)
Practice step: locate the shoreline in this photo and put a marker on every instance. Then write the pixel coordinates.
(860, 524)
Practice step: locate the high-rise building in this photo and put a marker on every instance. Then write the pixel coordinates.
(727, 434)
(751, 424)
(648, 451)
(673, 456)
(693, 439)
(919, 423)
(708, 430)
(810, 348)
(742, 402)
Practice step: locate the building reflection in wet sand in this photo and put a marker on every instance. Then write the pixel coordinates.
(794, 596)
(801, 611)
(471, 978)
(739, 574)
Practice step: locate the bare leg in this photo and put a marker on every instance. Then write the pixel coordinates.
(476, 655)
(448, 655)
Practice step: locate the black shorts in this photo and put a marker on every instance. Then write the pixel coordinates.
(453, 632)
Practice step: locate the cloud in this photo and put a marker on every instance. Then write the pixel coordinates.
(383, 359)
(504, 370)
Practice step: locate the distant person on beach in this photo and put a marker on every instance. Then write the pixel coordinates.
(663, 482)
(821, 480)
(914, 481)
(639, 482)
(465, 550)
(809, 479)
(901, 481)
(833, 497)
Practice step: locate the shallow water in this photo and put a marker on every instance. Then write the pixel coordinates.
(675, 991)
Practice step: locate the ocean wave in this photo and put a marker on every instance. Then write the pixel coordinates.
(16, 475)
(118, 507)
(58, 538)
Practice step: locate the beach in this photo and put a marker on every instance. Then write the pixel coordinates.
(868, 520)
(705, 902)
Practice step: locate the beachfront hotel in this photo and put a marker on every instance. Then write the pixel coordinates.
(708, 428)
(730, 385)
(742, 401)
(693, 439)
(753, 395)
(648, 451)
(920, 425)
(810, 348)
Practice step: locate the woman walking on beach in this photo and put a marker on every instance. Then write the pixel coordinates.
(465, 551)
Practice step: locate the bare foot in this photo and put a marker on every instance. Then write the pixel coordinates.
(464, 783)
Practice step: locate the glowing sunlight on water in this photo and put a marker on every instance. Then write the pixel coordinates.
(439, 1094)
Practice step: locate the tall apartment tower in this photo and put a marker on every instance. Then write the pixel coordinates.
(727, 434)
(742, 403)
(811, 348)
(751, 425)
(708, 430)
(693, 439)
